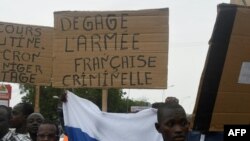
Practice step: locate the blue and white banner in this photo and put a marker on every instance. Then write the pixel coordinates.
(85, 122)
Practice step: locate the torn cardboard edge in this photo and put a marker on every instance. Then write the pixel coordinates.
(212, 72)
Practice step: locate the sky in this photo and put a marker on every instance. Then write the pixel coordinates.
(190, 27)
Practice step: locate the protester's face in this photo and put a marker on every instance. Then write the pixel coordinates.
(173, 125)
(33, 122)
(46, 132)
(4, 122)
(18, 118)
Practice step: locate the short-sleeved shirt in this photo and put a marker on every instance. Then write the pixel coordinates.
(22, 137)
(9, 137)
(12, 136)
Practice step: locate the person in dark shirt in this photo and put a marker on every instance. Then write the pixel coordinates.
(33, 122)
(48, 131)
(5, 133)
(20, 112)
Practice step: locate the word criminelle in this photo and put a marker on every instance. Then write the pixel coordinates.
(108, 79)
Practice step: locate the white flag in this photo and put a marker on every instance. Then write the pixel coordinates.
(85, 122)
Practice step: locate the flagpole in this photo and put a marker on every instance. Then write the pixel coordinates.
(104, 100)
(37, 109)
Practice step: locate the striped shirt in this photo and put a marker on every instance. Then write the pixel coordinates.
(9, 137)
(12, 136)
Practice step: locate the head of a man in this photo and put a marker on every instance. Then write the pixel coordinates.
(171, 99)
(172, 122)
(33, 122)
(20, 112)
(48, 131)
(5, 115)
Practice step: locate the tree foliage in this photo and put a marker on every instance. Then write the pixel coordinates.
(48, 105)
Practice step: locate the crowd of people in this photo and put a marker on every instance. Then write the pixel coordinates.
(23, 124)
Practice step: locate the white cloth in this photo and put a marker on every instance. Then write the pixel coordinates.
(84, 121)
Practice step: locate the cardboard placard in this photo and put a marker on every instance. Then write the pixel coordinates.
(26, 53)
(241, 2)
(222, 97)
(112, 49)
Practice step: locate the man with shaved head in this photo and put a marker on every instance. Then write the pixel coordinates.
(33, 122)
(172, 122)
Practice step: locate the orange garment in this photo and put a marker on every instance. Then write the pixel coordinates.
(65, 138)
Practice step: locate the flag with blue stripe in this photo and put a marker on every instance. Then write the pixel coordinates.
(84, 121)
